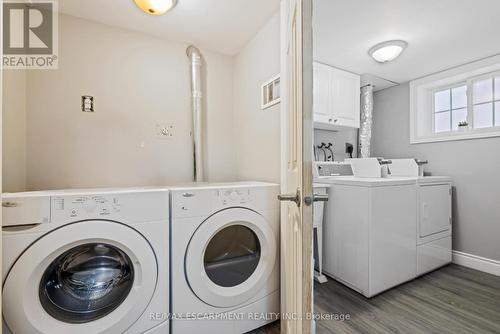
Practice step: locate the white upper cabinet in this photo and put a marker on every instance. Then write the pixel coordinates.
(336, 98)
(321, 93)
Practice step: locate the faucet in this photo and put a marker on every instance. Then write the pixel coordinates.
(322, 148)
(329, 148)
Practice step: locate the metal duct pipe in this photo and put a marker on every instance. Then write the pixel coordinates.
(197, 111)
(365, 129)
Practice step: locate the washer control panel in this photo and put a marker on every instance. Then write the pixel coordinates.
(85, 207)
(202, 202)
(234, 197)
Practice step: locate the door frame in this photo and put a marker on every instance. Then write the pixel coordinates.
(303, 291)
(1, 147)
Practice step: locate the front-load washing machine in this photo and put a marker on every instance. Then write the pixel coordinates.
(85, 262)
(225, 257)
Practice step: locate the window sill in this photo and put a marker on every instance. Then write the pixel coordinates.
(471, 134)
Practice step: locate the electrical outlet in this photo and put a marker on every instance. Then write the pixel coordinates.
(87, 103)
(164, 131)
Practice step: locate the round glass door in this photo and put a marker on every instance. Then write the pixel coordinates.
(86, 283)
(232, 255)
(86, 277)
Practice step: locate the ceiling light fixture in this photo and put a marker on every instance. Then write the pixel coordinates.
(387, 51)
(156, 7)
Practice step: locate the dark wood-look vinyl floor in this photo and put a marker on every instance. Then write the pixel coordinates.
(451, 300)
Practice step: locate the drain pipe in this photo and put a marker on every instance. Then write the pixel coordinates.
(197, 111)
(365, 130)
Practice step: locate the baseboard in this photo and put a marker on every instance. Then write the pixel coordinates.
(476, 262)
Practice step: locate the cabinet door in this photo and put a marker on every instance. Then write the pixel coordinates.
(435, 209)
(321, 91)
(345, 98)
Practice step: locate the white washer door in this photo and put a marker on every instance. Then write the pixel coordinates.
(86, 277)
(230, 257)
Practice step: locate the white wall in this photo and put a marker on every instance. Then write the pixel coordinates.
(14, 130)
(257, 132)
(136, 81)
(473, 165)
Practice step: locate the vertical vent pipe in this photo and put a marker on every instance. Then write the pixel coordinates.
(365, 129)
(197, 111)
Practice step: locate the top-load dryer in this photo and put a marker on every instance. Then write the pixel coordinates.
(225, 263)
(86, 262)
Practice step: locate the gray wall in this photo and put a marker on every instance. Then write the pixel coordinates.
(473, 164)
(338, 139)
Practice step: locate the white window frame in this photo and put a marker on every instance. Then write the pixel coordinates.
(470, 84)
(433, 100)
(422, 90)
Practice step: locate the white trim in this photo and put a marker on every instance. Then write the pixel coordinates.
(458, 136)
(476, 262)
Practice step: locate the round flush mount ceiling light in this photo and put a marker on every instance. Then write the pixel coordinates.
(156, 7)
(387, 51)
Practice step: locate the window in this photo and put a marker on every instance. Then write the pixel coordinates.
(460, 103)
(486, 102)
(450, 108)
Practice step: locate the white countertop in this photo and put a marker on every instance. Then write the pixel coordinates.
(106, 191)
(377, 182)
(83, 192)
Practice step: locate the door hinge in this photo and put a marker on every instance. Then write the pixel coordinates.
(291, 197)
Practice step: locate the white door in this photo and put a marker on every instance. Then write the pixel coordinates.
(435, 209)
(91, 277)
(1, 153)
(296, 148)
(230, 257)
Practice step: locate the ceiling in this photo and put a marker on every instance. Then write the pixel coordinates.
(224, 26)
(440, 34)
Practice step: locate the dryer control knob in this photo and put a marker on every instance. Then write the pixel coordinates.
(89, 206)
(233, 196)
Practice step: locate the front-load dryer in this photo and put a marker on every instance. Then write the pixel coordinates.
(85, 262)
(225, 257)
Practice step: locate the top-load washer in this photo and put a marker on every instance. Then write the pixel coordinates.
(85, 262)
(225, 262)
(381, 232)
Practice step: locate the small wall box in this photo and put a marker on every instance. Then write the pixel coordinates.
(270, 93)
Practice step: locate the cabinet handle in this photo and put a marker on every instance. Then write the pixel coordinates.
(330, 120)
(425, 211)
(10, 204)
(335, 121)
